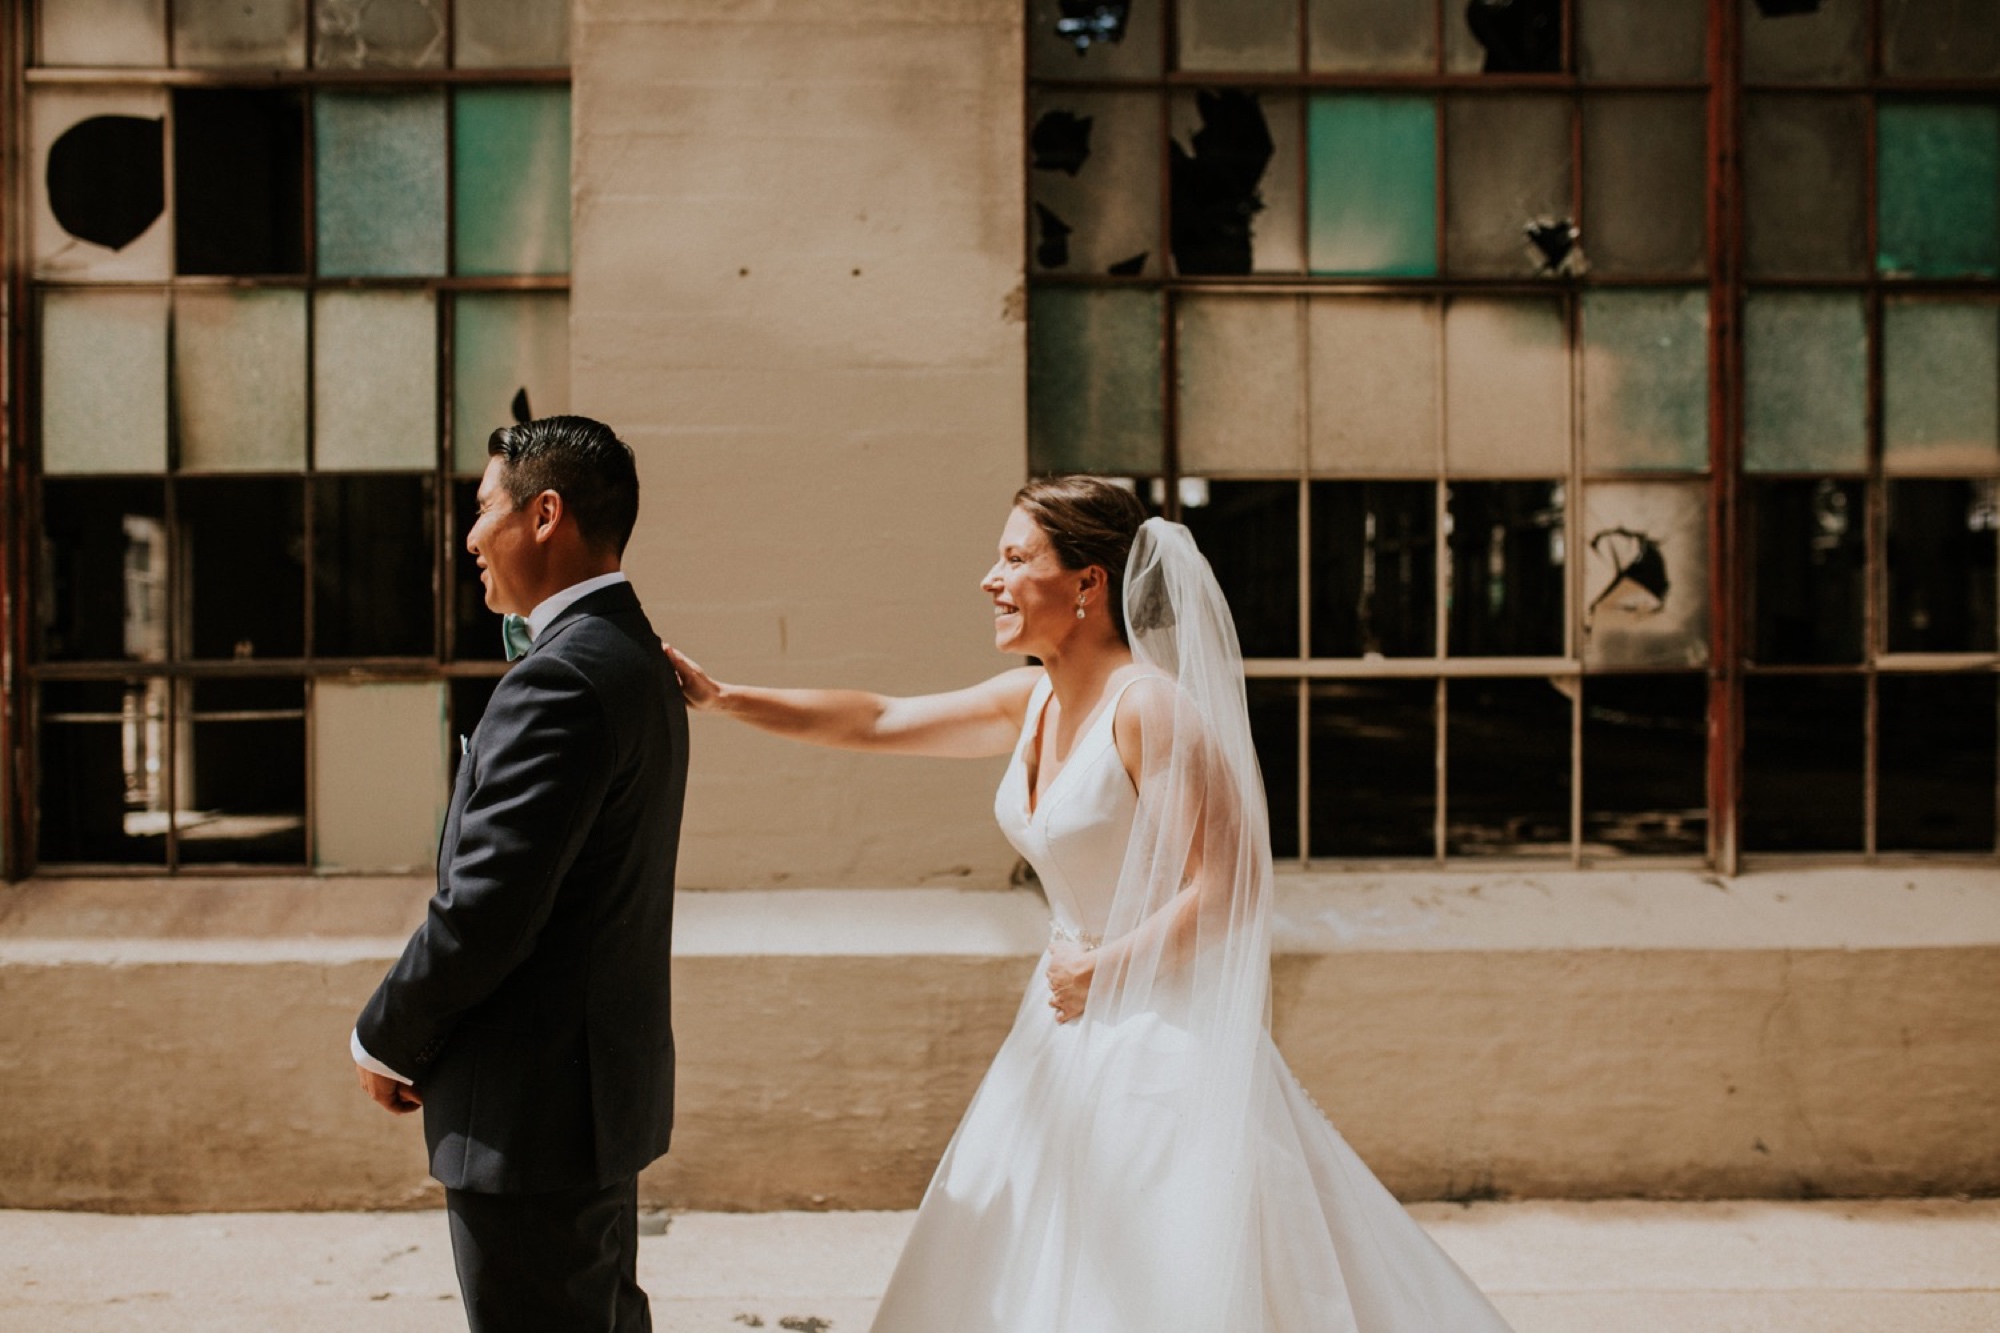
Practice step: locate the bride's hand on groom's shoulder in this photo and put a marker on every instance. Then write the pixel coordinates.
(696, 687)
(1071, 969)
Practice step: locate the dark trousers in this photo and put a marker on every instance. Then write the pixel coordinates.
(565, 1262)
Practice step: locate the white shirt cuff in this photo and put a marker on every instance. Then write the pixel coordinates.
(370, 1063)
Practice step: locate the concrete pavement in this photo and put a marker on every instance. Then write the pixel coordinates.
(1928, 1266)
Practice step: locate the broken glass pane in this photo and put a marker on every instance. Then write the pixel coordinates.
(374, 539)
(1374, 569)
(1938, 189)
(101, 33)
(508, 349)
(1935, 763)
(1939, 39)
(1374, 373)
(1805, 199)
(1503, 36)
(1940, 391)
(101, 767)
(1641, 39)
(243, 757)
(1803, 745)
(1374, 769)
(1645, 163)
(379, 183)
(1274, 730)
(510, 180)
(235, 34)
(1645, 765)
(1941, 565)
(1257, 35)
(1805, 382)
(104, 382)
(1506, 373)
(1372, 36)
(1645, 575)
(241, 561)
(1094, 381)
(378, 34)
(1094, 39)
(379, 781)
(1373, 185)
(1249, 530)
(1233, 172)
(1507, 766)
(475, 630)
(375, 382)
(104, 562)
(240, 380)
(1645, 380)
(1507, 166)
(1241, 379)
(1806, 554)
(239, 181)
(510, 34)
(100, 184)
(1805, 41)
(1506, 547)
(1095, 183)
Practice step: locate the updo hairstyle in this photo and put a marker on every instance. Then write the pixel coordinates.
(1089, 521)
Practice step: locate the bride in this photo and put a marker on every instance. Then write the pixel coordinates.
(1139, 1157)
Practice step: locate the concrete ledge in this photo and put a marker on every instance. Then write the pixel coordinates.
(181, 1046)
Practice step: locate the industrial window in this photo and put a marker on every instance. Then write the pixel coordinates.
(1588, 406)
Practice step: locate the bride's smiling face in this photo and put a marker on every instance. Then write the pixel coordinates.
(1034, 597)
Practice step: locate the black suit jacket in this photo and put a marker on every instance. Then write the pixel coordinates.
(531, 1007)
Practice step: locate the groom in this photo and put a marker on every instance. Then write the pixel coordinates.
(528, 1015)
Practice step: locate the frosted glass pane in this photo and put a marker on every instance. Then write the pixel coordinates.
(1506, 375)
(511, 34)
(1641, 39)
(98, 33)
(1827, 44)
(379, 776)
(1259, 35)
(1372, 36)
(375, 401)
(238, 33)
(1373, 182)
(1094, 182)
(1940, 388)
(1938, 183)
(1374, 400)
(99, 184)
(240, 380)
(1242, 385)
(380, 196)
(1645, 381)
(1094, 381)
(1940, 39)
(1805, 205)
(1071, 41)
(505, 344)
(1645, 575)
(510, 180)
(1805, 382)
(104, 382)
(378, 34)
(1234, 183)
(1507, 164)
(1645, 185)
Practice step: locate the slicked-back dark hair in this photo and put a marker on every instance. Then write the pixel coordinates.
(581, 460)
(1089, 521)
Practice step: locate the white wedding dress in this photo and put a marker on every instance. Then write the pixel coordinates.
(1065, 1204)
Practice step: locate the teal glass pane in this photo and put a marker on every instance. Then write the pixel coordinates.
(1938, 189)
(1805, 382)
(375, 405)
(240, 380)
(505, 344)
(1372, 178)
(1940, 387)
(1645, 380)
(378, 193)
(1095, 381)
(104, 382)
(510, 180)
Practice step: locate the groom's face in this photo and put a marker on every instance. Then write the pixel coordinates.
(503, 540)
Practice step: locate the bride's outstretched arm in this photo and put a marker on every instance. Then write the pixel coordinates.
(976, 722)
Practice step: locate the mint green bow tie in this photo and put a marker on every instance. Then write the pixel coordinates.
(514, 636)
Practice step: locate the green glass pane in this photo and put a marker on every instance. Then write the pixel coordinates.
(510, 34)
(378, 34)
(1940, 387)
(1094, 381)
(104, 382)
(1645, 380)
(1373, 184)
(510, 180)
(240, 380)
(374, 380)
(1938, 182)
(379, 189)
(505, 344)
(1805, 382)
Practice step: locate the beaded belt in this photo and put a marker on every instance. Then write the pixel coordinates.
(1059, 933)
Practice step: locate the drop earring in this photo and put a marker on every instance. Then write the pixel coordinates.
(1079, 606)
